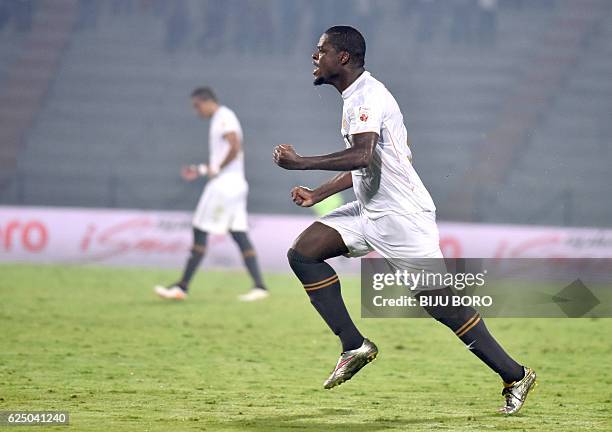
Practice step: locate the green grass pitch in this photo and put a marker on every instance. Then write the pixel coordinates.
(97, 343)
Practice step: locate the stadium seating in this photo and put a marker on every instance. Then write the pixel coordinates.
(568, 157)
(116, 124)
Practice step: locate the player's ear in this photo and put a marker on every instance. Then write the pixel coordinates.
(345, 57)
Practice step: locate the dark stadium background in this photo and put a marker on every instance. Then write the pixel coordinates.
(508, 103)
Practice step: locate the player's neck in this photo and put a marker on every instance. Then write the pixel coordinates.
(215, 108)
(345, 81)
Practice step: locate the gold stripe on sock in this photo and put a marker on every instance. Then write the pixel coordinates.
(322, 284)
(469, 328)
(198, 248)
(248, 253)
(467, 323)
(310, 285)
(331, 282)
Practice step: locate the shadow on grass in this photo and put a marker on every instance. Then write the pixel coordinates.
(316, 422)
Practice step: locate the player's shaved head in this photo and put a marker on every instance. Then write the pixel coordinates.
(348, 39)
(204, 94)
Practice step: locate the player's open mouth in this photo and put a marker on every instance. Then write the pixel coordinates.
(315, 71)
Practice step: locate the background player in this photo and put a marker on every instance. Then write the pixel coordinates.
(223, 204)
(394, 214)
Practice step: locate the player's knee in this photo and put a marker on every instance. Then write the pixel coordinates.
(200, 238)
(307, 269)
(242, 240)
(297, 260)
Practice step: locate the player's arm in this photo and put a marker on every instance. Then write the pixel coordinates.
(234, 148)
(306, 197)
(192, 172)
(358, 156)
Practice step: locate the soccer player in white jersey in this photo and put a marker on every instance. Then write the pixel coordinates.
(393, 214)
(223, 204)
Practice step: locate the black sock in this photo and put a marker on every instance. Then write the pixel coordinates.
(470, 328)
(477, 337)
(323, 287)
(197, 253)
(249, 256)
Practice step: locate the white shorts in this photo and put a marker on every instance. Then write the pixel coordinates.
(223, 206)
(392, 236)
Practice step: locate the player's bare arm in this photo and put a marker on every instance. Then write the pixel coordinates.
(358, 156)
(192, 172)
(234, 148)
(306, 197)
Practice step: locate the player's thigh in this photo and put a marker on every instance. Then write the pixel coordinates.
(337, 233)
(320, 241)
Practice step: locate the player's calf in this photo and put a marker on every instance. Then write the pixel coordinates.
(249, 257)
(468, 326)
(322, 285)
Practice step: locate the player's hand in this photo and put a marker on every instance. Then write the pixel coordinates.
(211, 172)
(303, 196)
(285, 157)
(190, 172)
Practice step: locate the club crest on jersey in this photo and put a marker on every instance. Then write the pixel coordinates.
(363, 114)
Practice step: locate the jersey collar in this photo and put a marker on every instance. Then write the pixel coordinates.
(351, 89)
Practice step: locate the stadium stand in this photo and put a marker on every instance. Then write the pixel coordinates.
(27, 73)
(116, 123)
(560, 175)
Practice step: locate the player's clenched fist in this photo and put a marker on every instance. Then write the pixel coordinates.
(285, 157)
(189, 172)
(303, 196)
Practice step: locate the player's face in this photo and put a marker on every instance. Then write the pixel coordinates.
(326, 62)
(203, 108)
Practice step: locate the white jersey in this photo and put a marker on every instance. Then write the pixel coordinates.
(390, 185)
(223, 122)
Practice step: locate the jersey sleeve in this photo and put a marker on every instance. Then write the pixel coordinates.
(229, 123)
(366, 116)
